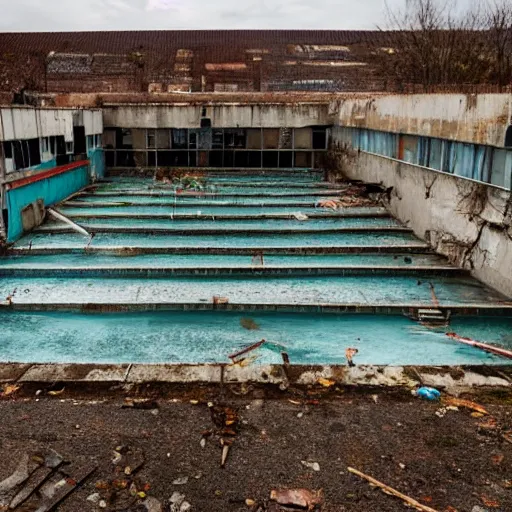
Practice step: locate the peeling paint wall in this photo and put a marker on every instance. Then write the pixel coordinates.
(467, 221)
(481, 118)
(222, 116)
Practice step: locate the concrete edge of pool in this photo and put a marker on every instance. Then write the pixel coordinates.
(453, 380)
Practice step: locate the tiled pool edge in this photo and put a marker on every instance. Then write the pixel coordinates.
(454, 380)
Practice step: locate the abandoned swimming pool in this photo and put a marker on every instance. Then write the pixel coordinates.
(301, 276)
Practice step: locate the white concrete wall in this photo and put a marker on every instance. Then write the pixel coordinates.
(481, 118)
(222, 116)
(469, 222)
(22, 123)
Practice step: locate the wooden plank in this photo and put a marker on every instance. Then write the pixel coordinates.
(36, 480)
(66, 486)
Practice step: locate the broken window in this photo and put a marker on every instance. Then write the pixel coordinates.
(179, 138)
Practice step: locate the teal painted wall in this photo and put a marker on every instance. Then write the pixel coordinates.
(51, 190)
(96, 158)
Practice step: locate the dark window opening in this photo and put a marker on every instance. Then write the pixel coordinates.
(203, 112)
(206, 122)
(229, 158)
(270, 159)
(254, 159)
(7, 150)
(62, 157)
(152, 159)
(319, 139)
(19, 158)
(34, 152)
(110, 158)
(508, 137)
(286, 159)
(241, 158)
(80, 140)
(215, 158)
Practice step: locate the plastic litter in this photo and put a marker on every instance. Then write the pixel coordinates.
(426, 393)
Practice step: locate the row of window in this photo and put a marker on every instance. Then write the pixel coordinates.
(476, 161)
(216, 138)
(25, 154)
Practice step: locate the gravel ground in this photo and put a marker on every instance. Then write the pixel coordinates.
(448, 463)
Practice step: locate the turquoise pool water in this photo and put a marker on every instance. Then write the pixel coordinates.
(95, 260)
(331, 290)
(212, 210)
(267, 224)
(75, 240)
(209, 337)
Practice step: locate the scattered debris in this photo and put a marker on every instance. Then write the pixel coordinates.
(244, 351)
(302, 498)
(489, 502)
(94, 498)
(326, 383)
(311, 465)
(9, 389)
(218, 300)
(182, 480)
(9, 297)
(507, 436)
(136, 403)
(59, 216)
(300, 216)
(349, 354)
(249, 324)
(178, 504)
(56, 393)
(258, 259)
(459, 402)
(427, 393)
(226, 420)
(389, 490)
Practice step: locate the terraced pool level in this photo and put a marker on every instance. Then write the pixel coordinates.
(175, 275)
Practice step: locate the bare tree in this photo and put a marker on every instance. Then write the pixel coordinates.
(498, 23)
(433, 43)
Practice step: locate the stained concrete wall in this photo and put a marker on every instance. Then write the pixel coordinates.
(467, 221)
(222, 116)
(481, 118)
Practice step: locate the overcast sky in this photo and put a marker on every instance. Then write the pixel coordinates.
(63, 15)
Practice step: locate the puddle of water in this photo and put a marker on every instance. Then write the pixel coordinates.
(172, 337)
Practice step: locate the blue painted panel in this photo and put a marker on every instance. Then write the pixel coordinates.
(51, 190)
(96, 158)
(43, 166)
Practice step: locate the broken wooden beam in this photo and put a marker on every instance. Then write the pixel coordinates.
(389, 490)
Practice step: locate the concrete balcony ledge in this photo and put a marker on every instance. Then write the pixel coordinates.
(453, 380)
